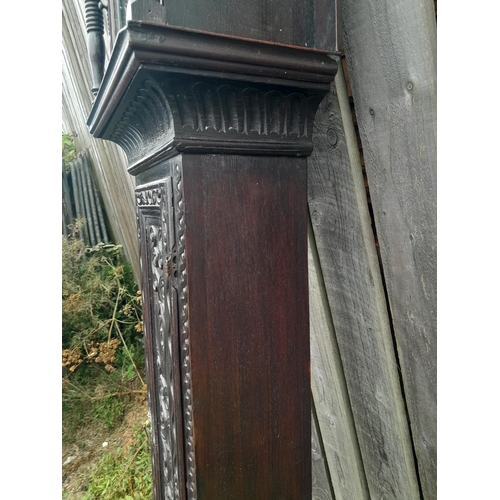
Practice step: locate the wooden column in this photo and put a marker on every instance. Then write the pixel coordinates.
(217, 130)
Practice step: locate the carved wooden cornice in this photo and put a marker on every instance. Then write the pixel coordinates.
(168, 90)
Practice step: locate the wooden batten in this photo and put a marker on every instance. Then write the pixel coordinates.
(336, 430)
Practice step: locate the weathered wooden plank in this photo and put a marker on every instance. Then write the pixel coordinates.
(321, 485)
(346, 249)
(391, 54)
(330, 396)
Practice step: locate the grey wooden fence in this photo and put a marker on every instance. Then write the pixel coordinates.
(373, 320)
(394, 42)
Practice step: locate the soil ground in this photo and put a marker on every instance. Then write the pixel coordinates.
(79, 457)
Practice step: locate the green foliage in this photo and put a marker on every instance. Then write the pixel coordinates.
(109, 411)
(123, 474)
(68, 150)
(102, 359)
(103, 355)
(95, 397)
(99, 296)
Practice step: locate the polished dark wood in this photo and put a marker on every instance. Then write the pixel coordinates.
(227, 325)
(180, 52)
(148, 10)
(246, 245)
(303, 24)
(309, 23)
(216, 130)
(160, 311)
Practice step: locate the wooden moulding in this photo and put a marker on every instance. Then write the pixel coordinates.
(168, 90)
(216, 130)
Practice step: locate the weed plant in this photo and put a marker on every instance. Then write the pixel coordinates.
(68, 150)
(103, 355)
(102, 358)
(123, 474)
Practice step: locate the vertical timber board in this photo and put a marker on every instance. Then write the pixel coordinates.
(331, 400)
(246, 248)
(346, 249)
(321, 484)
(391, 55)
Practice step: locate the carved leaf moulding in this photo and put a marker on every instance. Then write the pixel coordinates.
(183, 114)
(168, 90)
(143, 43)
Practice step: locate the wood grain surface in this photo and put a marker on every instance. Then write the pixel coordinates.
(362, 440)
(391, 55)
(310, 23)
(331, 400)
(246, 253)
(321, 484)
(348, 259)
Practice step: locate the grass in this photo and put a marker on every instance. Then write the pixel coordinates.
(123, 474)
(97, 398)
(103, 373)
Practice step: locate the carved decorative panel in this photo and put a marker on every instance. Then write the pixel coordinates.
(164, 294)
(182, 294)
